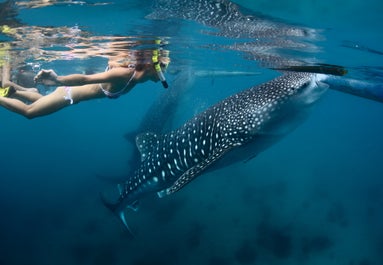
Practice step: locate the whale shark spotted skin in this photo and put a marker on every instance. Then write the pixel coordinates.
(170, 161)
(226, 16)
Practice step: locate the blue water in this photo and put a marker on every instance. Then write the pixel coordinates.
(313, 198)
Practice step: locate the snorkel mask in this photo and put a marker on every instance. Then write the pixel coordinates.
(157, 67)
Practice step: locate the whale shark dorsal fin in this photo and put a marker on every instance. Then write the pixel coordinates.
(145, 143)
(193, 172)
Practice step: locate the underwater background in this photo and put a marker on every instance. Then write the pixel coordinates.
(315, 197)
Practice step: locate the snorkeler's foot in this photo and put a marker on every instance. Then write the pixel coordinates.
(30, 89)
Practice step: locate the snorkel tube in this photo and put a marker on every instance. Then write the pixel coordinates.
(158, 69)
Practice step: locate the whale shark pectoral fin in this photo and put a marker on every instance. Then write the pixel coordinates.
(193, 172)
(145, 143)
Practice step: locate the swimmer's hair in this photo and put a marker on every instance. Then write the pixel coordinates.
(140, 58)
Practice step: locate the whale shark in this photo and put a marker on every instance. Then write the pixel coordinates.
(236, 128)
(160, 116)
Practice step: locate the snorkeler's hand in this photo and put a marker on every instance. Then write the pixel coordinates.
(46, 77)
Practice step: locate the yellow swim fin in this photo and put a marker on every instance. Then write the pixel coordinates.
(4, 91)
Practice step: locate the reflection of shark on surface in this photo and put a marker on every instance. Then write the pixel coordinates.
(227, 17)
(274, 53)
(272, 43)
(235, 129)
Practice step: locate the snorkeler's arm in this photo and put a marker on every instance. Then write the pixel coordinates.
(49, 77)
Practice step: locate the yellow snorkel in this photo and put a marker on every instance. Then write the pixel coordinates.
(158, 69)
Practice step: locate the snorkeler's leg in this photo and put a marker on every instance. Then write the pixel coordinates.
(43, 106)
(6, 74)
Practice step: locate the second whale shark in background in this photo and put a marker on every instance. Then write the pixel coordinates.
(237, 128)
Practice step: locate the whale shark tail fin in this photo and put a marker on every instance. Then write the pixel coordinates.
(118, 211)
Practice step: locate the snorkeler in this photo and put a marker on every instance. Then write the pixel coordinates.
(118, 79)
